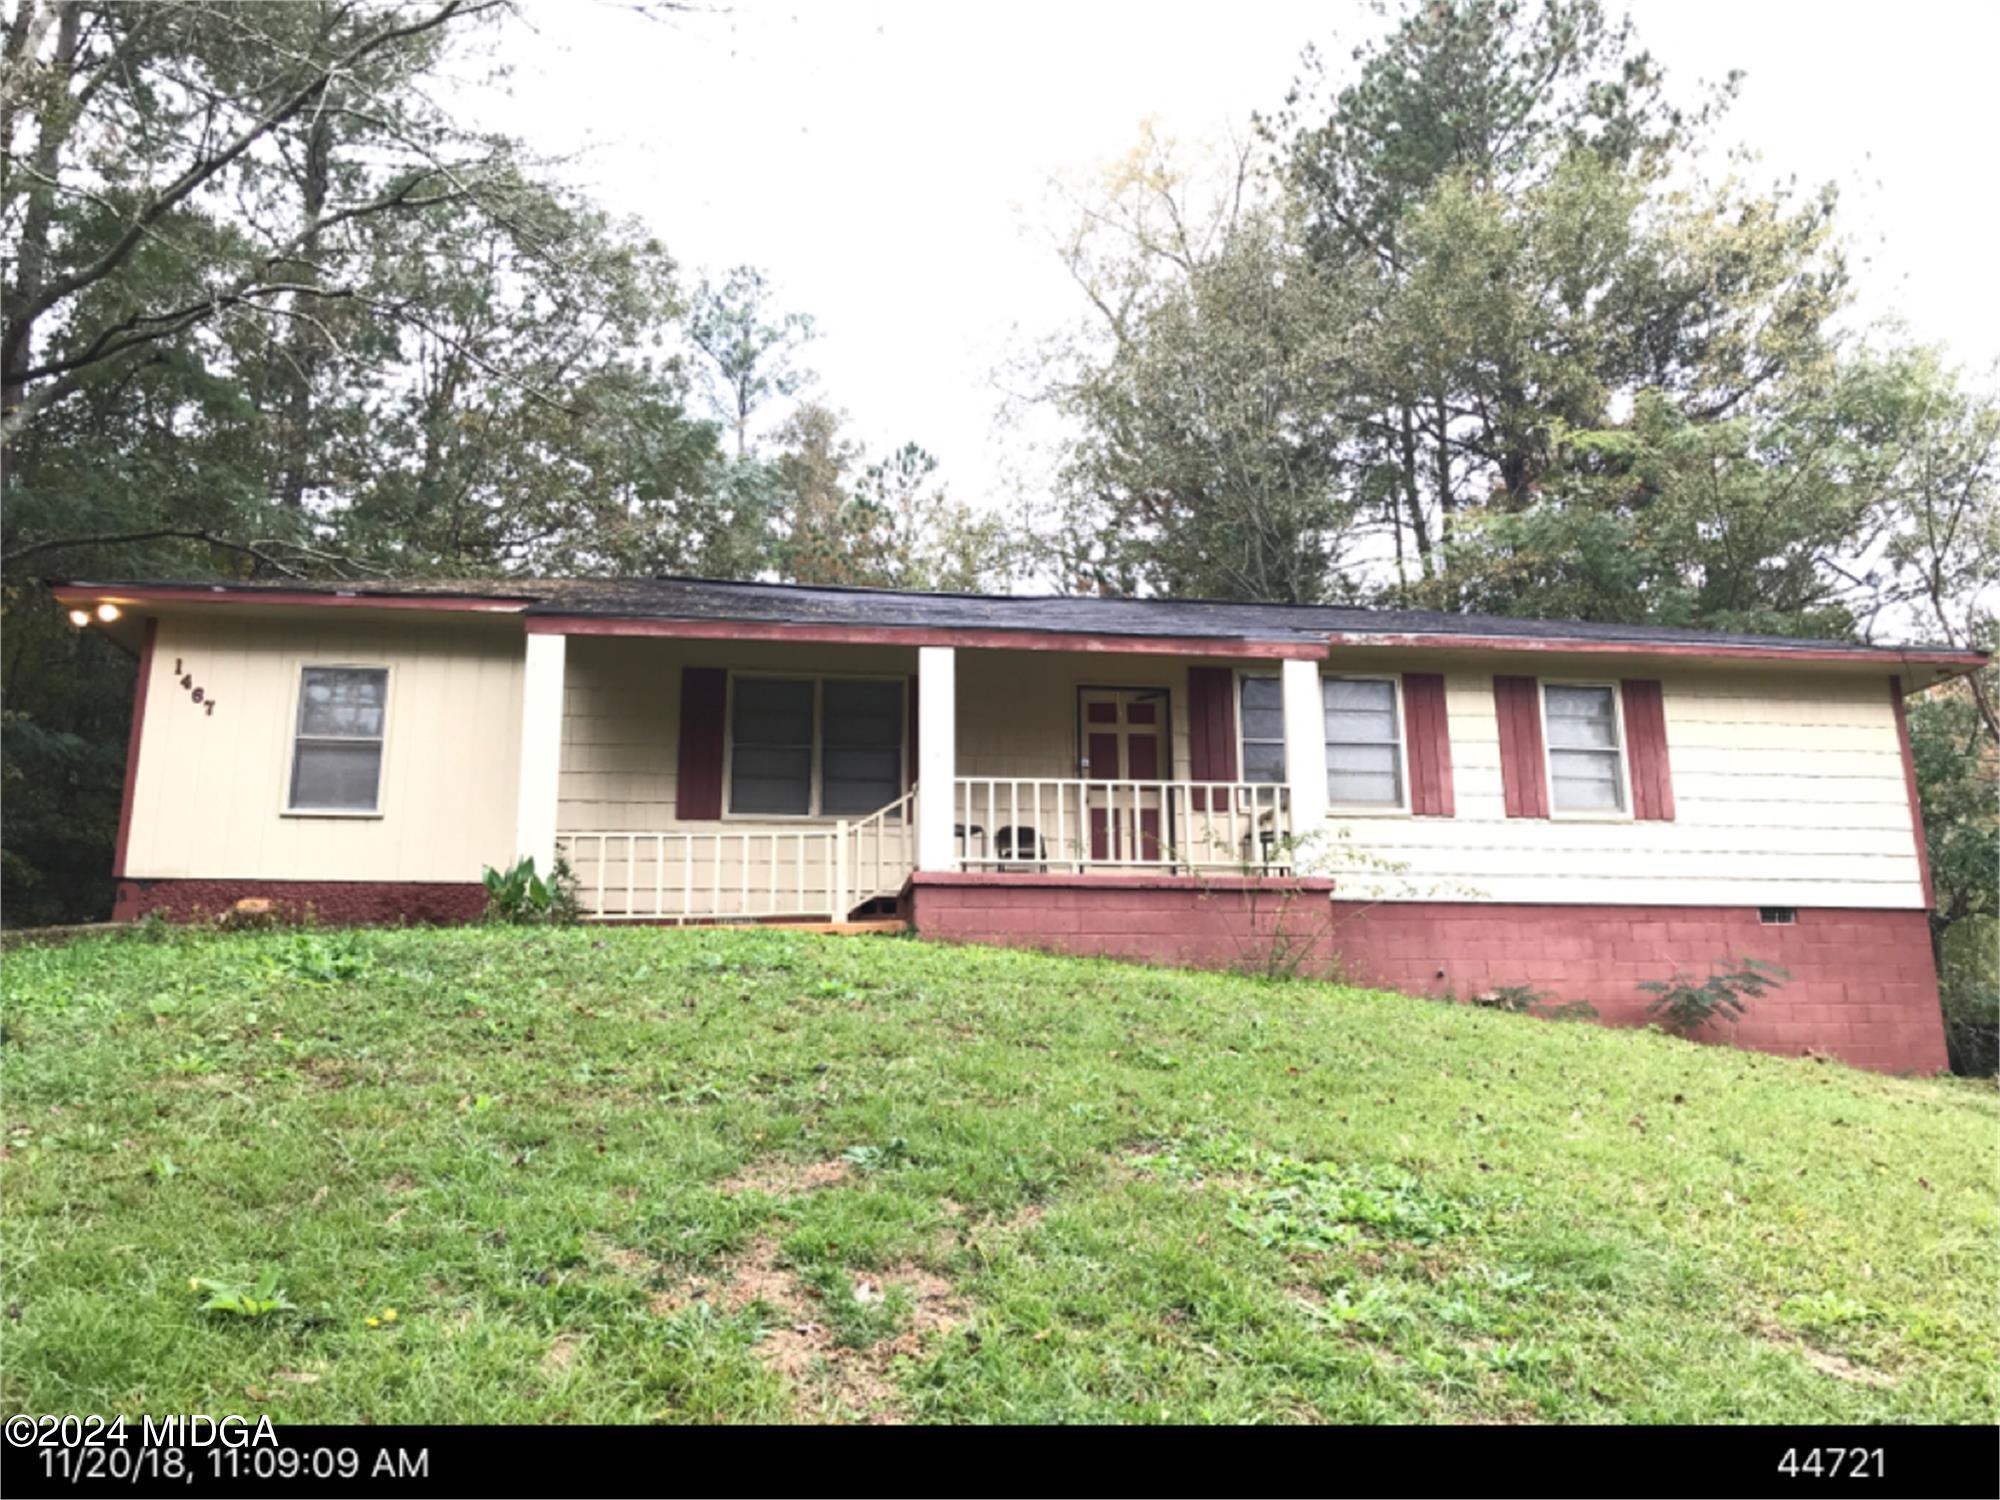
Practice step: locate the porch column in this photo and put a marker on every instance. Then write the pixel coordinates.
(1305, 747)
(541, 750)
(937, 756)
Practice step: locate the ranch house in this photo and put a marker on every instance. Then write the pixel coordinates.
(1437, 804)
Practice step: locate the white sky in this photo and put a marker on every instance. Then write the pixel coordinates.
(887, 163)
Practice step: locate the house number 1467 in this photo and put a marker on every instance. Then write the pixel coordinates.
(199, 695)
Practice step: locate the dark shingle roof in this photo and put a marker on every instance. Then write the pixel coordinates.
(798, 604)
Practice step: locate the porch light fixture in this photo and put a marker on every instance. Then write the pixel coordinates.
(79, 618)
(108, 612)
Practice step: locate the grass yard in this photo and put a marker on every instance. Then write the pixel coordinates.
(638, 1176)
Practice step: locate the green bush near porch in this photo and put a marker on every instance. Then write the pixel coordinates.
(508, 1174)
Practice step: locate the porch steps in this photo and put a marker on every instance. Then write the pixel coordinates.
(877, 926)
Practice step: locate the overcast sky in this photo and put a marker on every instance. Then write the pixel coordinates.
(887, 163)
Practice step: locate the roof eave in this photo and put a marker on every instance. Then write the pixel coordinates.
(1953, 662)
(138, 595)
(546, 621)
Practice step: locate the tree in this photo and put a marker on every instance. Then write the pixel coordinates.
(1501, 177)
(1206, 390)
(270, 308)
(842, 519)
(1958, 768)
(750, 352)
(146, 145)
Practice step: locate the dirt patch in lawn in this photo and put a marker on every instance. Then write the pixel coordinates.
(776, 1177)
(835, 1382)
(562, 1354)
(1836, 1365)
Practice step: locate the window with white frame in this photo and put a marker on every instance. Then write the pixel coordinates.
(1586, 760)
(337, 748)
(1364, 742)
(1263, 723)
(814, 746)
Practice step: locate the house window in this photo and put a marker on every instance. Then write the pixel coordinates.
(1364, 742)
(1263, 720)
(1777, 916)
(337, 751)
(806, 746)
(1586, 760)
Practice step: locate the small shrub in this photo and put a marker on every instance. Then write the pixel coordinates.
(1686, 1007)
(521, 897)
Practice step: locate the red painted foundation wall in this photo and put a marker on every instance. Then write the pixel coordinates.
(1862, 985)
(339, 902)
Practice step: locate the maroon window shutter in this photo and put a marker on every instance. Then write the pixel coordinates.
(704, 707)
(1211, 727)
(1428, 736)
(1523, 773)
(1646, 750)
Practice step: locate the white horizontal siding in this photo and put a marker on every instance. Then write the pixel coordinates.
(1788, 791)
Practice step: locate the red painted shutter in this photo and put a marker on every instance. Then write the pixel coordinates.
(1646, 751)
(1523, 771)
(1428, 737)
(704, 706)
(1211, 727)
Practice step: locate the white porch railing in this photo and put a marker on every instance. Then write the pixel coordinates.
(823, 872)
(1034, 823)
(817, 873)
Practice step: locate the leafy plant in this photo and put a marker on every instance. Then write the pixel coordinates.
(256, 1299)
(521, 897)
(1296, 1205)
(1686, 1007)
(870, 1158)
(323, 958)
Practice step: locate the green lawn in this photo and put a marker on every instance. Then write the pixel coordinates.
(639, 1176)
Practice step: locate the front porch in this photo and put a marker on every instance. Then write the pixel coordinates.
(700, 781)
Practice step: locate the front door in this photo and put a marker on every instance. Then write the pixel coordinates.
(1124, 739)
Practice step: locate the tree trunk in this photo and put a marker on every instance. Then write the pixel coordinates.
(1413, 493)
(31, 255)
(305, 351)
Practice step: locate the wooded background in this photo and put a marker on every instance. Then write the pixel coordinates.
(1459, 322)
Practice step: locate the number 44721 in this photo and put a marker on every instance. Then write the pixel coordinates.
(1832, 1463)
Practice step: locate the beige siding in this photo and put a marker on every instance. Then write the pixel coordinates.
(209, 802)
(621, 731)
(1789, 791)
(1789, 786)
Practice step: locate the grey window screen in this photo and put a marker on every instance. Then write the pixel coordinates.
(800, 746)
(861, 745)
(1263, 718)
(770, 767)
(1364, 746)
(337, 752)
(1586, 762)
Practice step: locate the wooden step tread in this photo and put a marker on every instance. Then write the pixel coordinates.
(877, 925)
